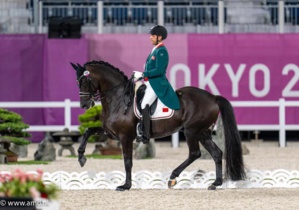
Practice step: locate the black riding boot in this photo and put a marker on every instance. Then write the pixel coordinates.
(144, 126)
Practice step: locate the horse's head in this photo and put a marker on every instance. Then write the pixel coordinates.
(99, 79)
(88, 90)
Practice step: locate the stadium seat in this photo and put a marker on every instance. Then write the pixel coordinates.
(139, 15)
(294, 15)
(119, 15)
(198, 14)
(274, 15)
(180, 15)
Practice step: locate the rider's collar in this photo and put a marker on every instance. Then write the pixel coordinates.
(157, 46)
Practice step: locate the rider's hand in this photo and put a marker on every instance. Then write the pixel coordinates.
(138, 75)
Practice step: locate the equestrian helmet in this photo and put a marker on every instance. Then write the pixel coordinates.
(159, 31)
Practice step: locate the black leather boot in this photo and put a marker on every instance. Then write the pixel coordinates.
(143, 128)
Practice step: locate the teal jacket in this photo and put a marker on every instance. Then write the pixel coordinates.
(155, 71)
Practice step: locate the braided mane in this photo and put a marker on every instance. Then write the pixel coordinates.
(108, 65)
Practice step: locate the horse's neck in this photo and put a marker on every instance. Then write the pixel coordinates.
(109, 81)
(113, 90)
(112, 108)
(106, 86)
(112, 100)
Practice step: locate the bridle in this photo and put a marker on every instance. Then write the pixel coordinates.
(94, 94)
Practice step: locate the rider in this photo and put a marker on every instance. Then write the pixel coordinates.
(156, 82)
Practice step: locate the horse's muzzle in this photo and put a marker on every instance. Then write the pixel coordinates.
(87, 105)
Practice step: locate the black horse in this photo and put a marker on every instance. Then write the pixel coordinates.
(197, 116)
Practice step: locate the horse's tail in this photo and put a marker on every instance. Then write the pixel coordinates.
(234, 168)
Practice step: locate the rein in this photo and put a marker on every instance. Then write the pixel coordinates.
(129, 88)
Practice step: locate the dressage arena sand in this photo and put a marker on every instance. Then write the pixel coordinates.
(263, 156)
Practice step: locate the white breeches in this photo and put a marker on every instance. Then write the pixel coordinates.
(149, 96)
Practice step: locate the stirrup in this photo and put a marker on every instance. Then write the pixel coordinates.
(139, 133)
(140, 137)
(145, 140)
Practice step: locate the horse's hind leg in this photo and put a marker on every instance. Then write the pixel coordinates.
(216, 154)
(194, 153)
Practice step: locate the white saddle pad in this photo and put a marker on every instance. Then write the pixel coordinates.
(161, 112)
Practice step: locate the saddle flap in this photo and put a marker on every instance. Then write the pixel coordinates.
(139, 96)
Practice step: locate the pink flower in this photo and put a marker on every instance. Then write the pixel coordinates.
(17, 174)
(5, 177)
(31, 177)
(2, 178)
(40, 174)
(22, 184)
(23, 179)
(40, 171)
(34, 193)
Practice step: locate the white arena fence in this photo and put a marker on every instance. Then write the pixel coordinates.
(67, 104)
(280, 178)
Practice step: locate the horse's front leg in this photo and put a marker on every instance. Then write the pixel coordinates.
(127, 147)
(81, 150)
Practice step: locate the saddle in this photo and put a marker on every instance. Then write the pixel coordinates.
(158, 110)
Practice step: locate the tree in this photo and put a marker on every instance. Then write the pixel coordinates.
(12, 128)
(91, 119)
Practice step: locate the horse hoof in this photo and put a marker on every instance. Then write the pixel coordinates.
(121, 188)
(82, 161)
(212, 187)
(172, 183)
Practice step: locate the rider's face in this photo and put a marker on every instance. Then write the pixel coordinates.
(153, 39)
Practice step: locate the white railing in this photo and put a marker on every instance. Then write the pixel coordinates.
(143, 179)
(67, 104)
(281, 127)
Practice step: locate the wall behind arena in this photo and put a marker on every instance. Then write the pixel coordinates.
(237, 66)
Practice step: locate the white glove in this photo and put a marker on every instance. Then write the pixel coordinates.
(137, 75)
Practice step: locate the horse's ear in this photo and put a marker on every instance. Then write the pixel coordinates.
(74, 66)
(79, 65)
